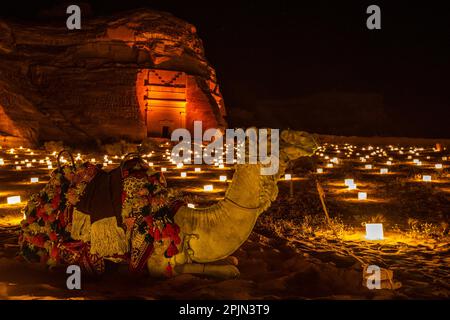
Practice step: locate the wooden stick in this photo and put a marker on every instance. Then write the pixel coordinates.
(324, 207)
(291, 188)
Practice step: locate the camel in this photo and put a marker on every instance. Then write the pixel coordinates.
(211, 235)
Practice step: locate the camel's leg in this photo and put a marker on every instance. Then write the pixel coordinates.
(219, 271)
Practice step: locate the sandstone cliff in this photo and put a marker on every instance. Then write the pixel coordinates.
(81, 85)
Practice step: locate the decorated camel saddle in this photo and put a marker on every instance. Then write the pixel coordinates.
(87, 216)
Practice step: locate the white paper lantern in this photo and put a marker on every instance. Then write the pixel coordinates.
(426, 178)
(362, 195)
(287, 176)
(34, 180)
(374, 231)
(223, 178)
(13, 200)
(349, 182)
(208, 187)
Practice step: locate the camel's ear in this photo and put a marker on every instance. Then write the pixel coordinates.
(298, 143)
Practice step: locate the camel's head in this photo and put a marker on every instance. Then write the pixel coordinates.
(296, 144)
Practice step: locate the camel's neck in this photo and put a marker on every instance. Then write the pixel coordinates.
(222, 228)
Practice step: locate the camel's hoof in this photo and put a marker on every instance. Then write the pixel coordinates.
(217, 271)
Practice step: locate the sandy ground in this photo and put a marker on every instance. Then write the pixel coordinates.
(292, 253)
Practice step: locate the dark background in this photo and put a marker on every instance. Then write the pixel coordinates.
(313, 65)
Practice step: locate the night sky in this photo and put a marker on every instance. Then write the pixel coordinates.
(313, 65)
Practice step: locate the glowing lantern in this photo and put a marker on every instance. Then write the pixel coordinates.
(18, 168)
(444, 158)
(352, 187)
(208, 187)
(183, 174)
(426, 178)
(34, 180)
(150, 164)
(191, 205)
(389, 163)
(223, 178)
(221, 166)
(319, 170)
(383, 170)
(2, 162)
(163, 169)
(368, 166)
(197, 170)
(329, 165)
(349, 182)
(374, 231)
(179, 165)
(49, 166)
(287, 176)
(13, 200)
(362, 195)
(438, 165)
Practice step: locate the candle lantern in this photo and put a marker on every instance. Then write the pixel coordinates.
(319, 170)
(383, 170)
(287, 176)
(208, 187)
(426, 178)
(13, 200)
(374, 231)
(362, 196)
(349, 182)
(34, 180)
(352, 187)
(223, 178)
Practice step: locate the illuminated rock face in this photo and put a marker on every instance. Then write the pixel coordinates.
(143, 73)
